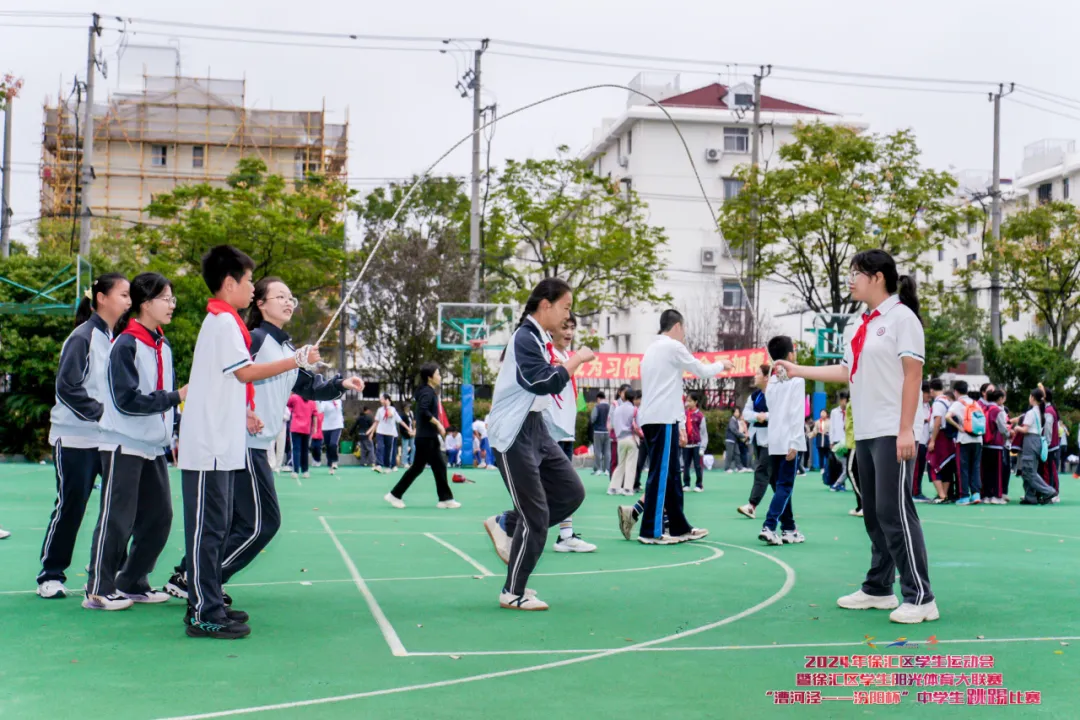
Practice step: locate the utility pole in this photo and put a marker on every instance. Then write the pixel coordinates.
(995, 218)
(87, 178)
(474, 213)
(5, 194)
(755, 153)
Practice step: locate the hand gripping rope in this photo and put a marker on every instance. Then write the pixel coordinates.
(424, 175)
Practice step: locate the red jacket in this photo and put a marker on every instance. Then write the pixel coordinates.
(303, 414)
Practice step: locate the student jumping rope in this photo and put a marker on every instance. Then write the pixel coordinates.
(883, 364)
(561, 420)
(756, 414)
(256, 514)
(218, 416)
(542, 482)
(787, 399)
(428, 451)
(81, 390)
(136, 427)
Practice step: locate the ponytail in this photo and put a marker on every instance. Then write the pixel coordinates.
(1040, 397)
(88, 303)
(550, 289)
(908, 294)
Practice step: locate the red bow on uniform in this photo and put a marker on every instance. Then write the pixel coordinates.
(859, 340)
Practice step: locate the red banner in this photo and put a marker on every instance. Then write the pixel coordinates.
(623, 366)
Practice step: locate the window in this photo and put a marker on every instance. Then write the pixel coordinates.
(618, 148)
(198, 156)
(306, 165)
(744, 100)
(630, 141)
(955, 263)
(733, 296)
(600, 166)
(971, 226)
(732, 188)
(1016, 313)
(158, 156)
(1065, 188)
(941, 254)
(1045, 192)
(971, 259)
(737, 139)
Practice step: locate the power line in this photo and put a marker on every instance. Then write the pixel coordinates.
(291, 33)
(1045, 110)
(879, 87)
(1068, 104)
(1027, 89)
(275, 43)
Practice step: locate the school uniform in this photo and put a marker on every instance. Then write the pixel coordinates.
(136, 426)
(757, 405)
(81, 391)
(428, 451)
(333, 413)
(622, 422)
(1048, 470)
(542, 482)
(941, 462)
(561, 415)
(995, 464)
(969, 452)
(786, 402)
(874, 358)
(316, 434)
(922, 439)
(213, 454)
(659, 417)
(301, 425)
(386, 434)
(691, 454)
(1036, 489)
(822, 429)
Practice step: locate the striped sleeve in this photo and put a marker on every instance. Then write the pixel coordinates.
(910, 341)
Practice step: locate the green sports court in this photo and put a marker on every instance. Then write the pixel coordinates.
(363, 611)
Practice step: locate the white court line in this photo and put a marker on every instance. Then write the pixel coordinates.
(387, 629)
(483, 570)
(1002, 529)
(789, 583)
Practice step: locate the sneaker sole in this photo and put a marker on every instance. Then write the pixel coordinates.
(56, 596)
(563, 549)
(175, 591)
(89, 606)
(626, 525)
(930, 618)
(196, 633)
(507, 606)
(744, 513)
(506, 560)
(891, 606)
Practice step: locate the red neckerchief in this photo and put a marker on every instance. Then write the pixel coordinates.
(219, 307)
(140, 333)
(859, 340)
(573, 382)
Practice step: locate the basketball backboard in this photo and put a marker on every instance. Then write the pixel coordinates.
(462, 325)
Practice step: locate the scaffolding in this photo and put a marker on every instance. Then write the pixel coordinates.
(175, 131)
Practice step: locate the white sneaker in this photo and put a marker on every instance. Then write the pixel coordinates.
(664, 539)
(52, 590)
(573, 544)
(769, 537)
(333, 470)
(499, 538)
(747, 510)
(792, 537)
(613, 491)
(307, 475)
(1054, 500)
(107, 602)
(626, 520)
(695, 534)
(854, 512)
(909, 614)
(521, 602)
(396, 502)
(4, 534)
(699, 489)
(447, 504)
(627, 491)
(859, 600)
(149, 598)
(295, 476)
(481, 466)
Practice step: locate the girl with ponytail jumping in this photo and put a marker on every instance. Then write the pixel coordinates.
(883, 364)
(136, 425)
(542, 482)
(81, 390)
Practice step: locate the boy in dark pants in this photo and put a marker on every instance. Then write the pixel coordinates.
(786, 398)
(218, 410)
(756, 414)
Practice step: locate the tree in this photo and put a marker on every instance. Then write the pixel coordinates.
(1019, 366)
(555, 217)
(952, 325)
(423, 260)
(1038, 258)
(837, 192)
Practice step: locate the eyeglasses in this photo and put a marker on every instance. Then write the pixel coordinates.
(170, 301)
(854, 275)
(287, 300)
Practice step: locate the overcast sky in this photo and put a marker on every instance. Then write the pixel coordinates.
(405, 112)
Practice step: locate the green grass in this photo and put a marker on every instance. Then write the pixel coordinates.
(999, 572)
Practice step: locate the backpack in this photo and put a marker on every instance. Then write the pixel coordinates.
(974, 420)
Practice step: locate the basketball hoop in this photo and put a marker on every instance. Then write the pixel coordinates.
(478, 343)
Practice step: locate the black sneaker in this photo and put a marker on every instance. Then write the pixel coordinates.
(178, 588)
(235, 615)
(231, 630)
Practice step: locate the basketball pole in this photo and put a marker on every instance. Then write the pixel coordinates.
(467, 449)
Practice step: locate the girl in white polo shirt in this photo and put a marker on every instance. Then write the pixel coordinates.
(883, 363)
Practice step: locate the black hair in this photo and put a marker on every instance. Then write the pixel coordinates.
(695, 398)
(601, 396)
(87, 305)
(386, 396)
(983, 388)
(366, 409)
(572, 320)
(622, 390)
(937, 385)
(1049, 395)
(144, 288)
(254, 314)
(427, 370)
(1040, 397)
(669, 319)
(926, 387)
(843, 395)
(974, 394)
(995, 395)
(224, 261)
(630, 395)
(551, 289)
(780, 347)
(876, 261)
(960, 386)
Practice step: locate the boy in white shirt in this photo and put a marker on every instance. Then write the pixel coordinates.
(453, 447)
(786, 399)
(837, 437)
(218, 411)
(481, 444)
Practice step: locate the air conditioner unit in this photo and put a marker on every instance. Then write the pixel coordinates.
(624, 161)
(710, 257)
(713, 154)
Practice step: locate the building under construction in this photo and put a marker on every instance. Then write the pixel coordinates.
(175, 131)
